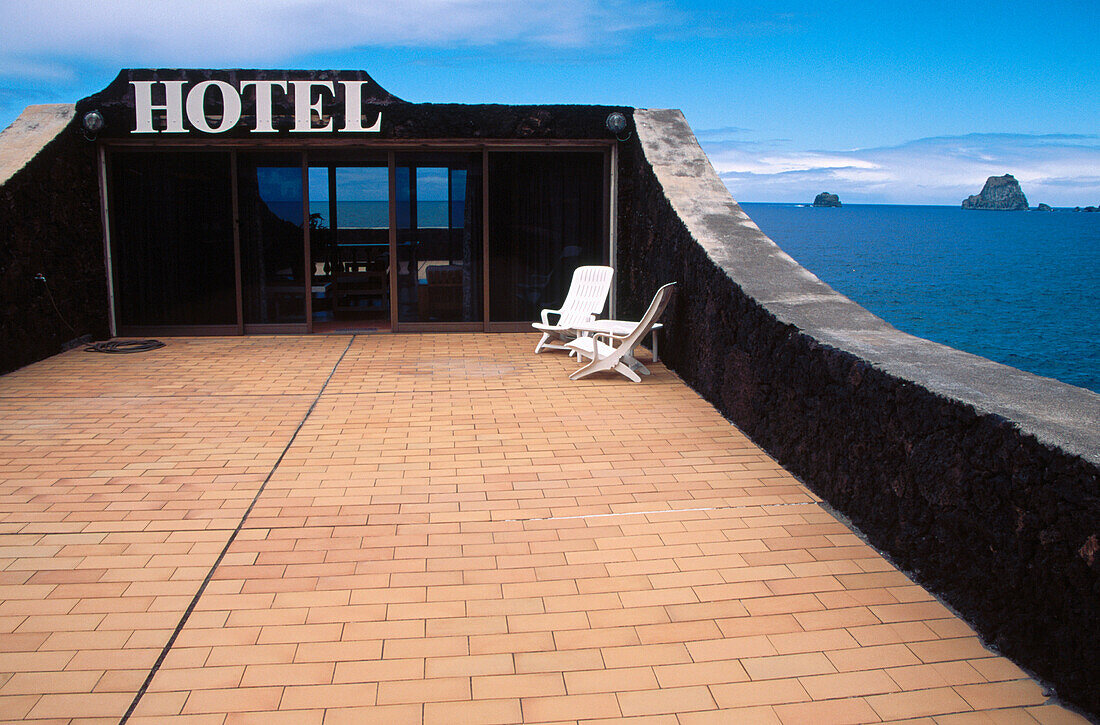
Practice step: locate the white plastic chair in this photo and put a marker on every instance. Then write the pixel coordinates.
(585, 299)
(616, 353)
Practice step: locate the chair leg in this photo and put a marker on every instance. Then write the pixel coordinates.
(634, 364)
(620, 368)
(542, 343)
(593, 366)
(581, 372)
(605, 364)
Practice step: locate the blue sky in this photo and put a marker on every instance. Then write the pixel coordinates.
(879, 102)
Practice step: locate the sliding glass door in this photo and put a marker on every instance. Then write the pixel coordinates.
(439, 237)
(172, 238)
(271, 213)
(349, 204)
(547, 216)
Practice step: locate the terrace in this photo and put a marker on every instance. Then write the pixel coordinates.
(439, 528)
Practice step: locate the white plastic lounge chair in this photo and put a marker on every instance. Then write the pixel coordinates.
(616, 353)
(586, 298)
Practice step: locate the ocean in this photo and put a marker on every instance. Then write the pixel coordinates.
(1021, 288)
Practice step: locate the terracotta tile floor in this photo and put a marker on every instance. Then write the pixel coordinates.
(438, 529)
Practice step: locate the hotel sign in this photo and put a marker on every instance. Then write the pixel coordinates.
(215, 106)
(240, 103)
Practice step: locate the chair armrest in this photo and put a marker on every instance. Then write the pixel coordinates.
(596, 343)
(546, 315)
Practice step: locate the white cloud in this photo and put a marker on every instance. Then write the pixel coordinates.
(1061, 170)
(805, 161)
(251, 32)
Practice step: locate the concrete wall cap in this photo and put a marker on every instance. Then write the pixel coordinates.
(27, 135)
(1060, 415)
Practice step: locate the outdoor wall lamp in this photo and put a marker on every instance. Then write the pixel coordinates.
(616, 124)
(93, 124)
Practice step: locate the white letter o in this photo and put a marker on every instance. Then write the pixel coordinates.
(196, 107)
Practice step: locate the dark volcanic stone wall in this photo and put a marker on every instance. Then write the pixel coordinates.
(50, 224)
(1001, 525)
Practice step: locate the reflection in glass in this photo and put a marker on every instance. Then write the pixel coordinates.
(433, 194)
(273, 278)
(363, 197)
(546, 218)
(439, 237)
(173, 238)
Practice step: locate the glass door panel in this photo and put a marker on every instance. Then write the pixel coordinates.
(273, 279)
(439, 237)
(349, 243)
(172, 234)
(546, 218)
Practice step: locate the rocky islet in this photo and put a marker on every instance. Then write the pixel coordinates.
(1000, 193)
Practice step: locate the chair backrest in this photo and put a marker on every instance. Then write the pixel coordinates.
(587, 294)
(656, 308)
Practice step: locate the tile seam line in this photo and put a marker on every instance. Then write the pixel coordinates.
(492, 521)
(232, 537)
(150, 396)
(663, 511)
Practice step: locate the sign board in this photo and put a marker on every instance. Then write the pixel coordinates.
(254, 103)
(189, 102)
